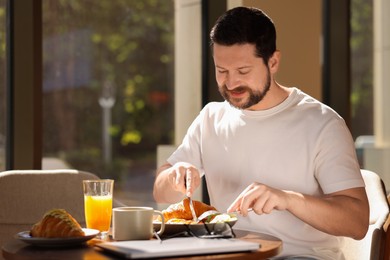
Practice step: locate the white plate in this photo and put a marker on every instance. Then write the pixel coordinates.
(57, 242)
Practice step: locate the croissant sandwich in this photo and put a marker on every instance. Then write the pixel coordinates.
(182, 210)
(57, 223)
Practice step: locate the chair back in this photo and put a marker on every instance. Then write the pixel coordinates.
(371, 247)
(25, 195)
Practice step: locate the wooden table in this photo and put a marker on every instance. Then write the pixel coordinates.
(18, 250)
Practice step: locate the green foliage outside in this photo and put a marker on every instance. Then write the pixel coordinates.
(127, 47)
(362, 67)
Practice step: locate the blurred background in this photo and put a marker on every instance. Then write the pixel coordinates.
(110, 87)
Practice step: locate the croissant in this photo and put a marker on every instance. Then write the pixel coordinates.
(57, 223)
(182, 210)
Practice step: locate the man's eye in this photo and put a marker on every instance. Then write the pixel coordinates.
(243, 72)
(221, 71)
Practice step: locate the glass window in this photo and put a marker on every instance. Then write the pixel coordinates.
(361, 43)
(2, 83)
(108, 89)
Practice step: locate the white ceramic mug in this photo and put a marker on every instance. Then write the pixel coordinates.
(134, 223)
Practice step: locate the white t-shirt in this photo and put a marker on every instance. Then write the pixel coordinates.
(300, 145)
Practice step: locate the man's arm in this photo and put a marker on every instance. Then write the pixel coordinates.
(343, 213)
(172, 181)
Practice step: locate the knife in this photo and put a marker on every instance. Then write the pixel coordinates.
(194, 217)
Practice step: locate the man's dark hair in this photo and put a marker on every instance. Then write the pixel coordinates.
(243, 25)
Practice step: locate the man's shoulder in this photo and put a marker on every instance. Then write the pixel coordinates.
(217, 110)
(312, 104)
(216, 107)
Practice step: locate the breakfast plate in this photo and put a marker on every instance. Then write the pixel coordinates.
(200, 229)
(57, 242)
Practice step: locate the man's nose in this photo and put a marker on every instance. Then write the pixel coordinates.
(232, 82)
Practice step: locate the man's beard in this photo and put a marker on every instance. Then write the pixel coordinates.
(254, 96)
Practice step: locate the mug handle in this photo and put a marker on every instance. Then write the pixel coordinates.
(162, 226)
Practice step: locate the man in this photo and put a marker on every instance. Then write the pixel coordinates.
(270, 148)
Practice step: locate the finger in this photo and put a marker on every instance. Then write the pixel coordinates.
(268, 206)
(237, 203)
(195, 180)
(271, 203)
(249, 199)
(235, 206)
(180, 179)
(189, 182)
(245, 205)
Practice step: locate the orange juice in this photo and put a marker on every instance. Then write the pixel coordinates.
(98, 211)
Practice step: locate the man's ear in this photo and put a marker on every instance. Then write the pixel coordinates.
(273, 62)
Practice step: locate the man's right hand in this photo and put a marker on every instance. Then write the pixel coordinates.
(174, 181)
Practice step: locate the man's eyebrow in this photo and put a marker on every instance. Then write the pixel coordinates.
(244, 67)
(239, 68)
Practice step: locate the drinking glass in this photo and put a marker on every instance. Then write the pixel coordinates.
(98, 204)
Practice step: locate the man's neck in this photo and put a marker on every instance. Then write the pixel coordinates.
(276, 95)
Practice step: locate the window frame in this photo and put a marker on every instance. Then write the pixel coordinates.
(24, 81)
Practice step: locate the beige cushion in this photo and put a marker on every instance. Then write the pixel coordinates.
(25, 195)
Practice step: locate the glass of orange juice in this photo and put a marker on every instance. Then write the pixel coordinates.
(98, 204)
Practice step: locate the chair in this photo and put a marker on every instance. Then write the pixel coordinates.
(374, 245)
(25, 195)
(386, 239)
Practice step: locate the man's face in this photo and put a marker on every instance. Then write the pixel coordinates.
(243, 79)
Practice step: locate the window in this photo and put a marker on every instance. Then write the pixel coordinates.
(361, 43)
(108, 89)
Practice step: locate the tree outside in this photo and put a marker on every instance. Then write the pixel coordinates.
(361, 43)
(108, 86)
